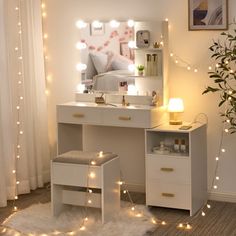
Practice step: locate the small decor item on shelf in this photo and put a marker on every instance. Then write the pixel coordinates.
(176, 145)
(142, 39)
(183, 146)
(162, 149)
(154, 65)
(148, 64)
(154, 98)
(156, 45)
(140, 69)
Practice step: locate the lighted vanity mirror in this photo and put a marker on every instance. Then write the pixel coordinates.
(110, 53)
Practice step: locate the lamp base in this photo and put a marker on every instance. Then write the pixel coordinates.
(175, 118)
(175, 122)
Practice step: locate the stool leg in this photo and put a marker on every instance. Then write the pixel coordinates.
(56, 195)
(110, 189)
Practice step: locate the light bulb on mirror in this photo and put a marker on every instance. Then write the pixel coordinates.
(81, 67)
(81, 24)
(130, 23)
(114, 24)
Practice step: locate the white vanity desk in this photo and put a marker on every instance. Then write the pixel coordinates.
(91, 127)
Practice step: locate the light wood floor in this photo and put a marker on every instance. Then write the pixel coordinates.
(220, 220)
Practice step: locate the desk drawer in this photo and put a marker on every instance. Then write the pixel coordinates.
(75, 175)
(168, 195)
(127, 118)
(78, 115)
(168, 169)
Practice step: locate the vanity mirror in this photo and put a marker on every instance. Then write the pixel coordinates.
(111, 52)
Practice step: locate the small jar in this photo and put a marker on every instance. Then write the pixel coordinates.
(176, 145)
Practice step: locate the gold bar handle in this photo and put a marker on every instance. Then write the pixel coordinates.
(167, 194)
(167, 169)
(124, 118)
(78, 115)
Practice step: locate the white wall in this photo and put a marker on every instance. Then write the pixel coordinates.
(189, 45)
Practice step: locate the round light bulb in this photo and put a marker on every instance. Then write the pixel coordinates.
(217, 177)
(131, 44)
(93, 163)
(114, 24)
(92, 175)
(203, 213)
(89, 201)
(97, 24)
(81, 24)
(130, 23)
(80, 45)
(208, 206)
(163, 223)
(180, 225)
(215, 186)
(81, 67)
(222, 150)
(188, 68)
(217, 158)
(131, 67)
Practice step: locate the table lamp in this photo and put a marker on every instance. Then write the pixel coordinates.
(175, 108)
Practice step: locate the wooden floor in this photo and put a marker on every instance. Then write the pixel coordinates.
(220, 220)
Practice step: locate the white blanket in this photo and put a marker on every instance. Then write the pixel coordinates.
(110, 81)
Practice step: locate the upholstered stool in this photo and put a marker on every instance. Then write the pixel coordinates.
(72, 173)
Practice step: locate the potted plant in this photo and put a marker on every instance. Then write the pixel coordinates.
(224, 76)
(140, 69)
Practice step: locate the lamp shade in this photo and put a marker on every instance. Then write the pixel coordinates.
(175, 105)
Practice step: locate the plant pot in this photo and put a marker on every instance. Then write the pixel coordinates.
(140, 72)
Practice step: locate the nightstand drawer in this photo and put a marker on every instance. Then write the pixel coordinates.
(127, 118)
(78, 115)
(168, 195)
(168, 169)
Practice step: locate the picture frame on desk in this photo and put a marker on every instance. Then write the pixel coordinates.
(208, 14)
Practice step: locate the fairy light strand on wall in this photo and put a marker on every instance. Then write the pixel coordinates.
(19, 97)
(48, 77)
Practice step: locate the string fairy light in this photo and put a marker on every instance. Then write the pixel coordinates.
(19, 97)
(48, 76)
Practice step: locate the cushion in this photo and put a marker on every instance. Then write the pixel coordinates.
(120, 62)
(100, 61)
(84, 158)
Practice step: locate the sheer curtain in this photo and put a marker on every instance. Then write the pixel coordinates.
(32, 167)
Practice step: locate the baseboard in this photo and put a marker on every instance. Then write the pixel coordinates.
(222, 197)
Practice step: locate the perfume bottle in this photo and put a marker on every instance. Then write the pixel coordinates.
(154, 65)
(183, 146)
(148, 65)
(176, 145)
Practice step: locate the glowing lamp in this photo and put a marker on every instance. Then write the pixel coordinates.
(175, 108)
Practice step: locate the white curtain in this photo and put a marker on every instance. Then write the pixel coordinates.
(32, 168)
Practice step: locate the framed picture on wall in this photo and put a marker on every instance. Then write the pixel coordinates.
(126, 51)
(97, 28)
(208, 14)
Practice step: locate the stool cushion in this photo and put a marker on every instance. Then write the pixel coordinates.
(85, 158)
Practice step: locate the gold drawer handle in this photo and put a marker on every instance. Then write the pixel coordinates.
(124, 118)
(167, 194)
(167, 169)
(78, 115)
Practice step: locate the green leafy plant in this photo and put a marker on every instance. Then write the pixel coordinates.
(224, 76)
(140, 67)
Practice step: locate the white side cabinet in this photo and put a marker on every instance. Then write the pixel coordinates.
(176, 167)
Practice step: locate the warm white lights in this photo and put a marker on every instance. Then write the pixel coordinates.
(215, 187)
(175, 105)
(97, 24)
(114, 24)
(100, 154)
(130, 23)
(217, 158)
(217, 177)
(80, 45)
(81, 67)
(90, 190)
(89, 201)
(222, 150)
(82, 228)
(92, 175)
(163, 223)
(203, 213)
(93, 163)
(81, 24)
(131, 44)
(131, 67)
(188, 226)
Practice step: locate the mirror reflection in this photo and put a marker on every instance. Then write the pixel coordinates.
(114, 55)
